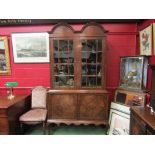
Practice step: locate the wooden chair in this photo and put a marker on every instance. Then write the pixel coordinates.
(38, 112)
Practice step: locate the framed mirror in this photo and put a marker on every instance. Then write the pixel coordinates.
(4, 57)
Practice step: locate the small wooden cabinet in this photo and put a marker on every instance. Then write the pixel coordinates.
(78, 75)
(10, 111)
(142, 122)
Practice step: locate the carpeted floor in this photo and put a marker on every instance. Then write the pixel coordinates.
(69, 130)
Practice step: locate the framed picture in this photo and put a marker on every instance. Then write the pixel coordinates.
(119, 124)
(146, 41)
(4, 57)
(119, 119)
(154, 38)
(30, 47)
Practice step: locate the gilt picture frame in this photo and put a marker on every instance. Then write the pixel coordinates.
(30, 47)
(146, 40)
(5, 68)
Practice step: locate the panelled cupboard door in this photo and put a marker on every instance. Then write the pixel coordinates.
(63, 106)
(93, 107)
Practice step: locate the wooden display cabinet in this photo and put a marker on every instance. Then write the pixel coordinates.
(133, 81)
(78, 72)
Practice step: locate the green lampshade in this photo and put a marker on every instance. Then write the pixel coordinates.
(11, 84)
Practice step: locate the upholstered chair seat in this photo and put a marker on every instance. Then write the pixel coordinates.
(38, 112)
(34, 116)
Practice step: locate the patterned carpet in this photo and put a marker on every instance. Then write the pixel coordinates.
(68, 130)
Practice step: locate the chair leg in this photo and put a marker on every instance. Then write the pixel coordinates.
(21, 129)
(48, 128)
(44, 128)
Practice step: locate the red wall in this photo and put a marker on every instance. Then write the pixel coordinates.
(121, 41)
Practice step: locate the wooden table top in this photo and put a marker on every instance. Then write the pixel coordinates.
(5, 102)
(145, 114)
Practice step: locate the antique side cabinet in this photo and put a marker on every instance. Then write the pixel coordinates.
(142, 121)
(133, 80)
(78, 72)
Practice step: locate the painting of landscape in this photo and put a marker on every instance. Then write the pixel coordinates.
(30, 47)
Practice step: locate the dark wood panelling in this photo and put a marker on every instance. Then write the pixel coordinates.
(92, 107)
(63, 106)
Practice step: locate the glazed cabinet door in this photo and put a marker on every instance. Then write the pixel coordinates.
(93, 106)
(62, 106)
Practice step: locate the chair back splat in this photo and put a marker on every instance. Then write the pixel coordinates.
(39, 97)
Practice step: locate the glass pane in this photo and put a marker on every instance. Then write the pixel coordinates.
(84, 56)
(91, 56)
(70, 81)
(131, 72)
(91, 81)
(99, 70)
(63, 69)
(56, 45)
(70, 45)
(63, 45)
(62, 80)
(91, 45)
(84, 70)
(84, 81)
(84, 45)
(64, 63)
(56, 81)
(98, 81)
(91, 69)
(99, 57)
(56, 70)
(71, 69)
(71, 57)
(56, 57)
